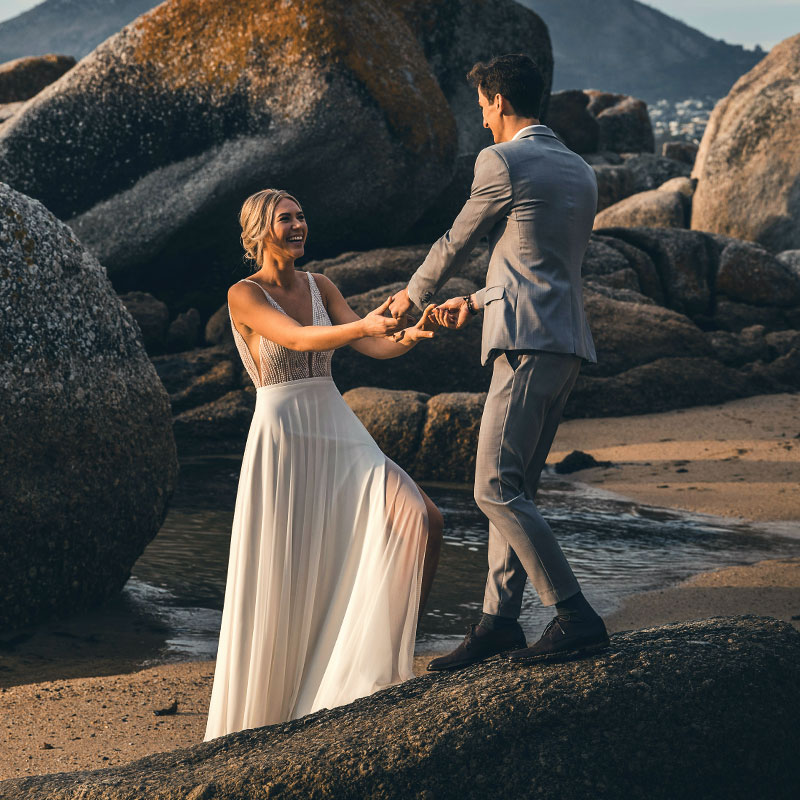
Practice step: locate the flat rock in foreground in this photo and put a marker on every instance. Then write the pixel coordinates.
(698, 709)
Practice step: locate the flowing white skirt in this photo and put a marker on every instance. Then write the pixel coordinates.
(325, 565)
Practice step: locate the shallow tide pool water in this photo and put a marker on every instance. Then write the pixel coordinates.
(615, 547)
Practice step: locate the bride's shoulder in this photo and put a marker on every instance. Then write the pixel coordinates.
(325, 285)
(243, 290)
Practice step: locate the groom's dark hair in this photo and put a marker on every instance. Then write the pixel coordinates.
(514, 76)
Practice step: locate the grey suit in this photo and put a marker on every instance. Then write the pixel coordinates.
(536, 200)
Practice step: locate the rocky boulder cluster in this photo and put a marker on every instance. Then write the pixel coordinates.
(679, 318)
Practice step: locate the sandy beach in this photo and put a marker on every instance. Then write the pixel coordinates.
(740, 459)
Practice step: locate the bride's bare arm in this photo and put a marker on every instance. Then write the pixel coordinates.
(376, 347)
(248, 305)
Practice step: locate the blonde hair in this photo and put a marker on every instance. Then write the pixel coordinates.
(256, 218)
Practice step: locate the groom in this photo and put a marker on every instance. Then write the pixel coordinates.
(536, 200)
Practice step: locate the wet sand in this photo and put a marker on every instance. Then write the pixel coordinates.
(741, 459)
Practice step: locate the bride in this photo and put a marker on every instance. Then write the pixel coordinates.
(333, 547)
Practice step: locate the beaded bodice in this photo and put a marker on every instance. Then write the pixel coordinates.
(278, 363)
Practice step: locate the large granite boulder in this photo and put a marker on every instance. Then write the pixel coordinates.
(152, 317)
(629, 334)
(637, 260)
(393, 418)
(748, 166)
(615, 182)
(650, 171)
(219, 426)
(661, 714)
(569, 117)
(455, 34)
(23, 78)
(751, 274)
(87, 456)
(450, 437)
(623, 122)
(660, 385)
(680, 151)
(652, 209)
(151, 143)
(685, 261)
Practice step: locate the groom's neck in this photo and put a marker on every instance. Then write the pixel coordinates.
(515, 124)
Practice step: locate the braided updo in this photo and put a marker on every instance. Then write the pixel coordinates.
(256, 220)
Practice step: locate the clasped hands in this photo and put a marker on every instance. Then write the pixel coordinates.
(400, 327)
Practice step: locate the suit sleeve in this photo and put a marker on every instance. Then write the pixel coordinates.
(489, 201)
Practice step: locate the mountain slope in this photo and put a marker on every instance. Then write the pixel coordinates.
(72, 27)
(628, 47)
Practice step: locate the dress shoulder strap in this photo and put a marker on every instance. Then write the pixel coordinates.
(266, 294)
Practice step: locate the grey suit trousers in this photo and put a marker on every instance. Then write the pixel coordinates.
(523, 408)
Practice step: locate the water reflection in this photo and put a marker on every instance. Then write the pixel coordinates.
(615, 548)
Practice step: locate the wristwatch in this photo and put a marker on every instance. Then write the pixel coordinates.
(471, 308)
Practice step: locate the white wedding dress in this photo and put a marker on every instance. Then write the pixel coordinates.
(326, 554)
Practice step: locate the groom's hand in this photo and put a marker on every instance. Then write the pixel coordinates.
(453, 313)
(401, 304)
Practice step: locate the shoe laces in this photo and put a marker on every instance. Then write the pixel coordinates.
(554, 623)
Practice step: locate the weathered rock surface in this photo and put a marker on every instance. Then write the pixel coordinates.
(569, 117)
(87, 457)
(685, 262)
(184, 331)
(640, 262)
(748, 345)
(615, 182)
(661, 385)
(22, 78)
(152, 317)
(791, 259)
(8, 110)
(651, 171)
(629, 334)
(177, 370)
(652, 209)
(680, 151)
(393, 418)
(704, 708)
(732, 316)
(457, 33)
(623, 122)
(685, 186)
(356, 273)
(218, 426)
(748, 166)
(753, 275)
(207, 387)
(193, 106)
(450, 437)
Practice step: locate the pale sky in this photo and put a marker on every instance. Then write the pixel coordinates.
(747, 22)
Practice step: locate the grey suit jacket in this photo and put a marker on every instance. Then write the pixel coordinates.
(536, 200)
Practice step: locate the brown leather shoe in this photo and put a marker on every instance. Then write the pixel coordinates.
(565, 638)
(477, 647)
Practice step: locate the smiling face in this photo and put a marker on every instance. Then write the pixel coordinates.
(491, 114)
(289, 229)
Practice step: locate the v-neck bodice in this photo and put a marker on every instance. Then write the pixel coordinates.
(279, 364)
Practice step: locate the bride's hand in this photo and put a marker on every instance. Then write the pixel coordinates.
(422, 330)
(376, 324)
